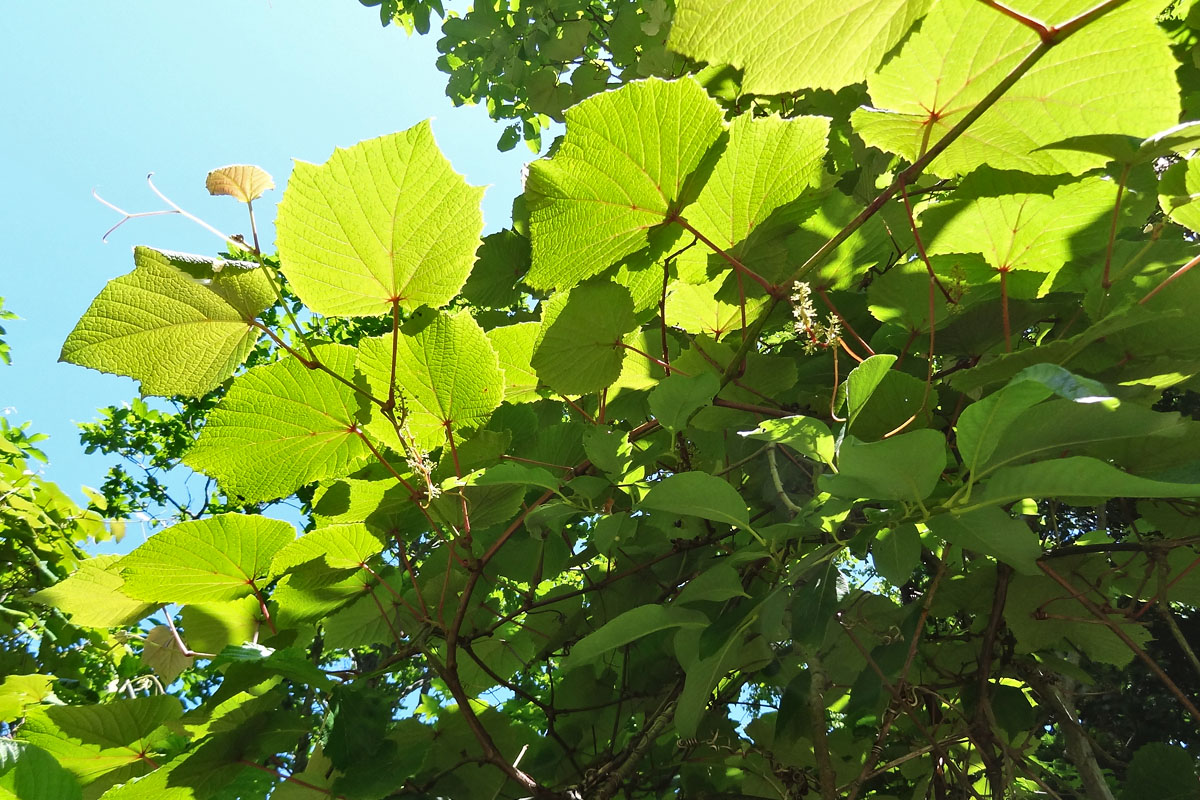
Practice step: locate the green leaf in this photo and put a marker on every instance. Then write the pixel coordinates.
(92, 740)
(281, 426)
(387, 220)
(580, 350)
(162, 655)
(994, 533)
(92, 596)
(629, 627)
(205, 561)
(904, 467)
(622, 168)
(1178, 192)
(809, 437)
(290, 663)
(1076, 477)
(697, 309)
(698, 494)
(1035, 233)
(677, 398)
(211, 627)
(896, 552)
(1161, 771)
(768, 163)
(19, 691)
(862, 381)
(30, 773)
(982, 425)
(180, 324)
(718, 583)
(339, 546)
(496, 276)
(514, 347)
(786, 45)
(1114, 76)
(446, 372)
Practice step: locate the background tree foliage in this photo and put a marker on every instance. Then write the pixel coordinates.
(822, 426)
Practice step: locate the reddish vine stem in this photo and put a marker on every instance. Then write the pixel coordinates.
(387, 618)
(262, 606)
(1105, 283)
(1124, 637)
(1004, 310)
(842, 320)
(771, 289)
(578, 410)
(391, 401)
(1149, 603)
(1040, 28)
(290, 779)
(399, 598)
(412, 574)
(1174, 276)
(466, 514)
(933, 281)
(912, 224)
(654, 360)
(315, 363)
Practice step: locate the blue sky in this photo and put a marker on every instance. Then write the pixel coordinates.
(97, 95)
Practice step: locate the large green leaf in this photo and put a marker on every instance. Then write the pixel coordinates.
(447, 374)
(580, 350)
(1161, 771)
(992, 532)
(1114, 76)
(698, 309)
(180, 324)
(92, 740)
(387, 220)
(1076, 477)
(982, 425)
(281, 426)
(622, 168)
(698, 494)
(205, 561)
(1036, 233)
(514, 347)
(785, 45)
(30, 773)
(1178, 192)
(629, 627)
(768, 163)
(339, 546)
(92, 596)
(807, 436)
(904, 467)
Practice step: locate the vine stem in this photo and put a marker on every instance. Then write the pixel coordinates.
(669, 369)
(1053, 36)
(768, 287)
(1174, 276)
(1124, 637)
(276, 286)
(821, 293)
(1105, 283)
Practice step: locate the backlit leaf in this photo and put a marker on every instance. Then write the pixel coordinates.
(180, 324)
(579, 350)
(446, 372)
(385, 220)
(205, 561)
(243, 182)
(785, 45)
(622, 168)
(1114, 76)
(281, 426)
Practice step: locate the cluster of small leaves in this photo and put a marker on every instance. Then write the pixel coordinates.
(530, 61)
(814, 445)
